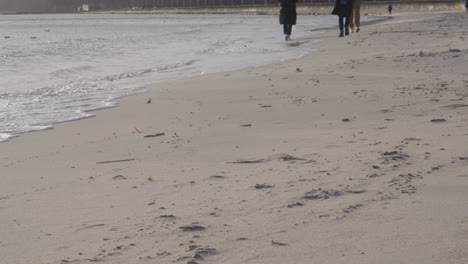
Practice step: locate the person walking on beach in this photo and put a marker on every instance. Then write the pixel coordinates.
(390, 9)
(287, 17)
(355, 18)
(343, 9)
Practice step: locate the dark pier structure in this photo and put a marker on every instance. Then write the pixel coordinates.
(66, 6)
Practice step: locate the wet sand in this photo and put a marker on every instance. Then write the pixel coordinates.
(356, 153)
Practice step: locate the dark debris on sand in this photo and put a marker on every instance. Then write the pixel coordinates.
(192, 228)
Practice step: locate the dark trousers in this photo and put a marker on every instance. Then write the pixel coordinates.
(346, 23)
(287, 29)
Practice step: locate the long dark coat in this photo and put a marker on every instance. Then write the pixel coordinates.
(288, 13)
(343, 8)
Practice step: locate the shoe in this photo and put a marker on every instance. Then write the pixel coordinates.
(341, 34)
(352, 30)
(357, 29)
(346, 32)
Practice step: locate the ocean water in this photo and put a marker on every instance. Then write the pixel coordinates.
(56, 68)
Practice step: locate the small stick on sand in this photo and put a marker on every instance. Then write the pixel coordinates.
(278, 243)
(111, 161)
(247, 161)
(155, 135)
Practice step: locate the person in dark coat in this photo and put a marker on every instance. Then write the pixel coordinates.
(390, 8)
(287, 17)
(343, 9)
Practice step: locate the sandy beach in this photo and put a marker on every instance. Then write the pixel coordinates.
(355, 153)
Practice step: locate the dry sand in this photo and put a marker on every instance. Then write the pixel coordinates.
(356, 153)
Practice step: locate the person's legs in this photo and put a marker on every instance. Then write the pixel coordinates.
(340, 23)
(351, 24)
(347, 21)
(357, 14)
(289, 29)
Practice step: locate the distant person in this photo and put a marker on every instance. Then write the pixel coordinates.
(355, 18)
(343, 9)
(390, 8)
(288, 17)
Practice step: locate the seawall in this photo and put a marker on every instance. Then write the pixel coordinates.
(367, 7)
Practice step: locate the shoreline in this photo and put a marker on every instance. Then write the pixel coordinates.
(157, 73)
(341, 156)
(110, 104)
